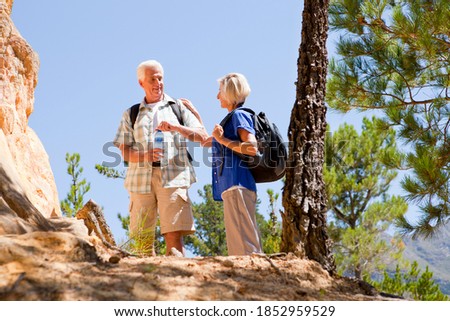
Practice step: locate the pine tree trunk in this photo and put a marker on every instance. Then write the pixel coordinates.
(304, 196)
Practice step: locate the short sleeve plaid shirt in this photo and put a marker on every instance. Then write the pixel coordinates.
(176, 169)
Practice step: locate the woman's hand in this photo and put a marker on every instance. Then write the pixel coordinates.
(217, 133)
(247, 144)
(188, 104)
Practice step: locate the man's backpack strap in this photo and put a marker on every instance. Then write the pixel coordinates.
(134, 111)
(177, 111)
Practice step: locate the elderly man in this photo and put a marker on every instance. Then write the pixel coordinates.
(158, 179)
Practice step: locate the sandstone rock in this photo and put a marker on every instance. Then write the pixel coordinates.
(19, 215)
(19, 66)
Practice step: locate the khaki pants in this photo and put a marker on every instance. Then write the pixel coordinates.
(172, 204)
(242, 232)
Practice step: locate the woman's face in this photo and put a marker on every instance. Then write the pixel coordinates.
(223, 102)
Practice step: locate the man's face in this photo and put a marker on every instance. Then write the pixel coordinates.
(153, 84)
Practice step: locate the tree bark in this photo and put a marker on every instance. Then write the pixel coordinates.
(304, 196)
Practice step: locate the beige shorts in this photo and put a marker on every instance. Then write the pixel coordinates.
(172, 204)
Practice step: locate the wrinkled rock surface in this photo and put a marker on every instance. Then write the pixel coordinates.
(21, 150)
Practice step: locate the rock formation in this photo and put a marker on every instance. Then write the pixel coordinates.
(27, 183)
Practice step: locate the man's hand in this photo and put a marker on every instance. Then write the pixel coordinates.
(207, 142)
(193, 134)
(168, 127)
(154, 155)
(135, 156)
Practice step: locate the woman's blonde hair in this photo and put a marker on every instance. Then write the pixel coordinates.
(234, 88)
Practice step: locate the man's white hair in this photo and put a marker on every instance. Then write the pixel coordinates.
(147, 65)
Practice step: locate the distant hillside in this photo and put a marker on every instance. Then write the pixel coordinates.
(435, 253)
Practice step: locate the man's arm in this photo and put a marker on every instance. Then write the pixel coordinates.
(195, 134)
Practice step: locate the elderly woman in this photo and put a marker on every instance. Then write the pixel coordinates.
(233, 182)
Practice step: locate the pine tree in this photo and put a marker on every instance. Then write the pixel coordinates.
(395, 57)
(360, 208)
(412, 284)
(270, 229)
(109, 172)
(209, 238)
(74, 200)
(304, 196)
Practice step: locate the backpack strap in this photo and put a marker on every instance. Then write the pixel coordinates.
(177, 111)
(134, 111)
(222, 148)
(230, 114)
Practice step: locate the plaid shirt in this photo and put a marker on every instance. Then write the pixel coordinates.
(175, 167)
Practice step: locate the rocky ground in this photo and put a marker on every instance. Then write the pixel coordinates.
(65, 266)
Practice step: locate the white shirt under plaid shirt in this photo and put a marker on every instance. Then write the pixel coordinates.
(176, 169)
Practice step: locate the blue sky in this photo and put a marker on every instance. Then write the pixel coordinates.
(89, 51)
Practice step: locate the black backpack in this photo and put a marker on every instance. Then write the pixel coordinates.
(134, 111)
(270, 163)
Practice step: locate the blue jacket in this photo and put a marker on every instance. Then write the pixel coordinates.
(227, 168)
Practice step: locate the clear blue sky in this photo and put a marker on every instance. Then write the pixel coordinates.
(89, 51)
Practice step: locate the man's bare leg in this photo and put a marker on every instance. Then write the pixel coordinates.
(174, 240)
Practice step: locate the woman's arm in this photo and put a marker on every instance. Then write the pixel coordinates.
(192, 108)
(247, 146)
